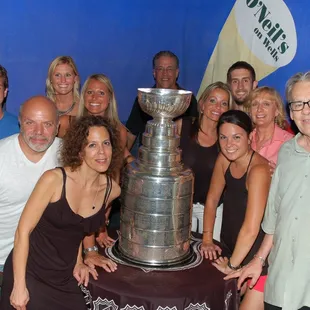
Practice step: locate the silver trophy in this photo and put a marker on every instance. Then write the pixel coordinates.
(157, 190)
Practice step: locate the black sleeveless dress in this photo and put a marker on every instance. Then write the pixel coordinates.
(53, 249)
(234, 209)
(200, 159)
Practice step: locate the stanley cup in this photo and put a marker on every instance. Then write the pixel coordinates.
(157, 190)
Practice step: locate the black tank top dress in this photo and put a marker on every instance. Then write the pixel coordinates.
(234, 209)
(53, 249)
(200, 159)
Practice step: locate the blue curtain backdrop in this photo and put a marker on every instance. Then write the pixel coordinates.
(119, 38)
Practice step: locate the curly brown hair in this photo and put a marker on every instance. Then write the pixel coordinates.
(75, 140)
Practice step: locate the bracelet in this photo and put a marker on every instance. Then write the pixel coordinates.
(92, 249)
(262, 260)
(232, 267)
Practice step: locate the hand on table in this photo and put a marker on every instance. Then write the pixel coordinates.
(221, 265)
(104, 240)
(81, 273)
(93, 259)
(209, 250)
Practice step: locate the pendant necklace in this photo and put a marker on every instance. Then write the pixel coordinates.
(94, 206)
(60, 113)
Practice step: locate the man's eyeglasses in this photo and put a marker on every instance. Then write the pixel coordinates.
(298, 105)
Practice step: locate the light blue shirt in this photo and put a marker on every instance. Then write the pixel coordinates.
(8, 125)
(287, 218)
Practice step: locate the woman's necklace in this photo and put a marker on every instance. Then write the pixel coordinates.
(94, 201)
(60, 113)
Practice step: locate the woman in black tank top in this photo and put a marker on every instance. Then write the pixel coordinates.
(245, 176)
(199, 144)
(199, 136)
(64, 211)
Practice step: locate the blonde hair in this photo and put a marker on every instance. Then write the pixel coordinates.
(49, 89)
(111, 112)
(280, 118)
(206, 93)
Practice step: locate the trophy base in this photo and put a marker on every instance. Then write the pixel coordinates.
(185, 260)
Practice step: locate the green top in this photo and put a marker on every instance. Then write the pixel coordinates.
(287, 217)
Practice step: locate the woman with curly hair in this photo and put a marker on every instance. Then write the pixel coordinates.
(67, 206)
(62, 87)
(266, 109)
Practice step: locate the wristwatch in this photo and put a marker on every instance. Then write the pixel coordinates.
(91, 249)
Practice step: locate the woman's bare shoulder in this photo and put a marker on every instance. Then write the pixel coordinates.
(260, 165)
(123, 133)
(122, 128)
(52, 175)
(223, 162)
(259, 160)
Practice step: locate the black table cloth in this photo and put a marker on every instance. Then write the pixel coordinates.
(129, 288)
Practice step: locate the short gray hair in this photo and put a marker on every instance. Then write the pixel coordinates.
(296, 78)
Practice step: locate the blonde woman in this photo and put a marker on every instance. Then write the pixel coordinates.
(62, 87)
(266, 109)
(200, 148)
(98, 98)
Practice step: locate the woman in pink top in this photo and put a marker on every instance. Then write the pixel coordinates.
(266, 110)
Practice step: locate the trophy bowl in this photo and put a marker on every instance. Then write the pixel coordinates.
(164, 103)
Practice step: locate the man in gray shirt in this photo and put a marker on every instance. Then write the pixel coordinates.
(287, 217)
